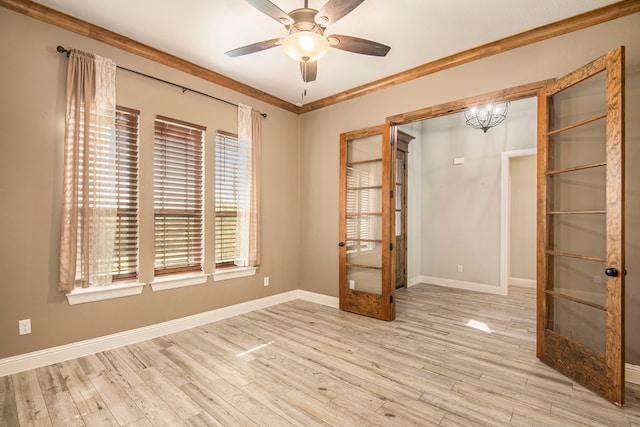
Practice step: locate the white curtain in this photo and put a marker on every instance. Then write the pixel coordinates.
(89, 211)
(248, 226)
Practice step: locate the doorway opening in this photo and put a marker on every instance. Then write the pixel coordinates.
(518, 219)
(457, 200)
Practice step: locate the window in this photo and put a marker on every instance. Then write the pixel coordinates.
(237, 194)
(125, 253)
(227, 187)
(177, 196)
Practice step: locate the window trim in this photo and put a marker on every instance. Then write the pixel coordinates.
(234, 272)
(165, 282)
(101, 293)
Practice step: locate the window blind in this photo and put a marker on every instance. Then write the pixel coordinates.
(227, 186)
(177, 196)
(125, 256)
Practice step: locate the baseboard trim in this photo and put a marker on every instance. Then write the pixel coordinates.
(632, 373)
(36, 359)
(522, 283)
(333, 302)
(414, 281)
(459, 284)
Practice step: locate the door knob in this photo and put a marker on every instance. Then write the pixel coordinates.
(341, 244)
(611, 272)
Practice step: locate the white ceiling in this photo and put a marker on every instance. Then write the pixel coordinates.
(418, 31)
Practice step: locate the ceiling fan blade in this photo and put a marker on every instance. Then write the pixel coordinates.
(309, 70)
(255, 47)
(271, 10)
(358, 45)
(333, 10)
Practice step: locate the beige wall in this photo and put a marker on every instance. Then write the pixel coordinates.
(522, 218)
(32, 88)
(320, 131)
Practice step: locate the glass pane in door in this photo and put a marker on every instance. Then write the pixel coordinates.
(577, 182)
(363, 216)
(581, 279)
(580, 323)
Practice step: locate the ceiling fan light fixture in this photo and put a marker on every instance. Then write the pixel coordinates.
(305, 46)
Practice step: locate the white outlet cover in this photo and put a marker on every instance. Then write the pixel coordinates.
(24, 326)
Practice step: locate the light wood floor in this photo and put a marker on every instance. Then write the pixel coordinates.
(452, 358)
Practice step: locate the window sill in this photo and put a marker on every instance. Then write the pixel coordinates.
(163, 283)
(233, 273)
(100, 293)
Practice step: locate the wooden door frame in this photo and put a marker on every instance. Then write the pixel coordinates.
(403, 140)
(505, 95)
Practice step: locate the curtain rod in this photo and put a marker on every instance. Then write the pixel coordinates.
(61, 49)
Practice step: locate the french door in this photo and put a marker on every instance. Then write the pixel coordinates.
(366, 199)
(581, 225)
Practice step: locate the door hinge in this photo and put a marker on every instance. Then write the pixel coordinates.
(390, 246)
(391, 194)
(390, 299)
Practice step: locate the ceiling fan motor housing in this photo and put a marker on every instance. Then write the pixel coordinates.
(304, 21)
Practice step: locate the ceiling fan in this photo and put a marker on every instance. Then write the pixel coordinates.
(306, 41)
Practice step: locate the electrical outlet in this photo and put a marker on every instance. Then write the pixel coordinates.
(24, 326)
(266, 281)
(352, 284)
(459, 268)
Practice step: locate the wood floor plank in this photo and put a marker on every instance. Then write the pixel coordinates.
(8, 408)
(121, 406)
(216, 406)
(91, 365)
(413, 412)
(291, 412)
(328, 412)
(170, 393)
(100, 419)
(61, 407)
(203, 419)
(84, 394)
(32, 409)
(190, 368)
(247, 406)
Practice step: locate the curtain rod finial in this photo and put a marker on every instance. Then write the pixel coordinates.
(61, 49)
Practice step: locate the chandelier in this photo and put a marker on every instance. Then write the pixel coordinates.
(486, 116)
